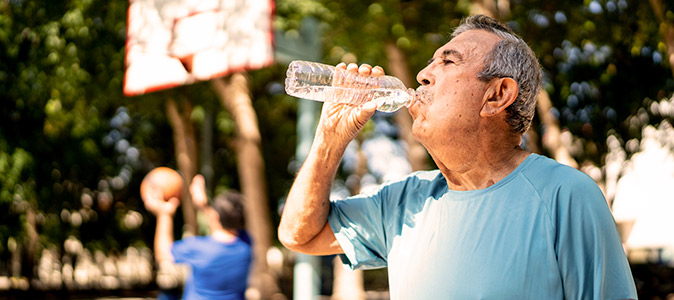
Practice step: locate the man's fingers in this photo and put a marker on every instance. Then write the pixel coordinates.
(365, 69)
(377, 71)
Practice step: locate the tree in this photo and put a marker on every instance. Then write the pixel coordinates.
(235, 97)
(54, 102)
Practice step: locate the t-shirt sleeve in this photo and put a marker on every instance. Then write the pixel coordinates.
(357, 225)
(366, 225)
(591, 258)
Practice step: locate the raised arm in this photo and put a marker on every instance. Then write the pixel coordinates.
(153, 199)
(200, 201)
(304, 227)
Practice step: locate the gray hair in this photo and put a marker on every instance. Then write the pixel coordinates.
(513, 58)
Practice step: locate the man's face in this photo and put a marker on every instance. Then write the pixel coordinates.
(448, 109)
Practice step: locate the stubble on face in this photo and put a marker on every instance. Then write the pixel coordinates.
(450, 87)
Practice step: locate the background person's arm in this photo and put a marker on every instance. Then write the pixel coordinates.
(163, 238)
(164, 211)
(200, 201)
(304, 227)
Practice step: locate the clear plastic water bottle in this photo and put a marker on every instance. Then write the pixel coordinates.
(320, 82)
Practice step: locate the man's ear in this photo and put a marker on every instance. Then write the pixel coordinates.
(500, 94)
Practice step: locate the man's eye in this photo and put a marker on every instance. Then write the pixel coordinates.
(447, 61)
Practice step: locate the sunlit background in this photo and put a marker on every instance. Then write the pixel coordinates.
(74, 147)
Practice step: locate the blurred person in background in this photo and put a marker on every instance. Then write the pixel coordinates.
(219, 262)
(495, 221)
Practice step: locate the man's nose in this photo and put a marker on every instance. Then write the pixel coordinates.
(424, 77)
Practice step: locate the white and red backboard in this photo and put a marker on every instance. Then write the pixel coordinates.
(176, 42)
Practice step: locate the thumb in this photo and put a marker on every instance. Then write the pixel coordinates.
(366, 111)
(369, 107)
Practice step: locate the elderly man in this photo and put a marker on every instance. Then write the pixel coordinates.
(495, 221)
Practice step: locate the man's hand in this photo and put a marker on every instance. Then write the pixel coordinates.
(154, 202)
(340, 123)
(198, 192)
(304, 224)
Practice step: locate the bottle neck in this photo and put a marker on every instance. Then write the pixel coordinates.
(413, 96)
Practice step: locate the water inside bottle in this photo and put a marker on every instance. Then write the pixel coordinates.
(314, 82)
(388, 100)
(392, 100)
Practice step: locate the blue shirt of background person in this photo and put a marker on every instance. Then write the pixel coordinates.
(219, 262)
(219, 269)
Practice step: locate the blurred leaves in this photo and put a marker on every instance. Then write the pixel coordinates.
(601, 60)
(61, 68)
(72, 145)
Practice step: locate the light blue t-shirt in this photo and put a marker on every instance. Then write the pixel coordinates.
(543, 232)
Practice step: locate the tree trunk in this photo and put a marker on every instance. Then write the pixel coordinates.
(666, 29)
(186, 155)
(235, 97)
(551, 139)
(416, 155)
(206, 145)
(348, 285)
(31, 242)
(483, 7)
(492, 8)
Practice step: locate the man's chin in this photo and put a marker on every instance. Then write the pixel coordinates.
(416, 130)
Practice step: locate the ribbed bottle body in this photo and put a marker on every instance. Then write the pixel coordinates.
(320, 82)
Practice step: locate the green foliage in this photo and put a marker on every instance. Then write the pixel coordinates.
(72, 145)
(601, 59)
(61, 68)
(362, 29)
(17, 190)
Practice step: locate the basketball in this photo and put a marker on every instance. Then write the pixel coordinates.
(167, 179)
